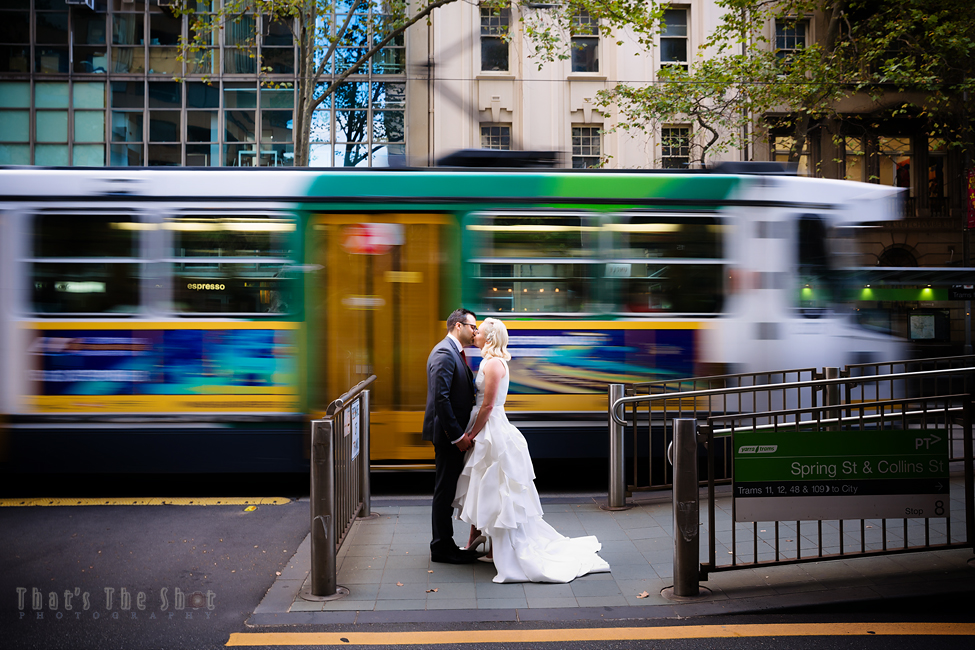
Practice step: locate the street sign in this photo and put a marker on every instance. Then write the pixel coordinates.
(961, 292)
(798, 476)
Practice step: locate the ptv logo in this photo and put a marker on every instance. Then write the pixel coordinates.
(926, 442)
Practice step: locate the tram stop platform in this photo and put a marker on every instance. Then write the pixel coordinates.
(386, 566)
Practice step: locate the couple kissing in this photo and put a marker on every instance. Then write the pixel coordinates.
(484, 468)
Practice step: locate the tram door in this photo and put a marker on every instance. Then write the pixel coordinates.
(378, 306)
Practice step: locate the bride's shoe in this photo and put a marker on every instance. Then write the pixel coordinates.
(489, 556)
(474, 543)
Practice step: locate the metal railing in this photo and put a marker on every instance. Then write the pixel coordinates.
(340, 491)
(861, 398)
(650, 430)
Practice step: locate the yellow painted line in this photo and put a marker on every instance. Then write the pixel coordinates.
(146, 501)
(600, 634)
(160, 325)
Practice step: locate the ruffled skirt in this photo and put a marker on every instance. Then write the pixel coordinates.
(496, 494)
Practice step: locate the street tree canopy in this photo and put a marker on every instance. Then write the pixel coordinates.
(911, 59)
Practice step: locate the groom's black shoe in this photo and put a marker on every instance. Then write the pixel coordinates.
(454, 556)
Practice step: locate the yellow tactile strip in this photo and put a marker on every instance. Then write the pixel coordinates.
(598, 634)
(145, 501)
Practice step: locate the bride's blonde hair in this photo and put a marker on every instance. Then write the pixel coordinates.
(495, 339)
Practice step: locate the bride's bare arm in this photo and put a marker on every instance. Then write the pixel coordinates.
(493, 373)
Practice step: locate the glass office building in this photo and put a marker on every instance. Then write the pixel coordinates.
(100, 83)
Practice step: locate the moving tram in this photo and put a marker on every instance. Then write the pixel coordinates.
(195, 320)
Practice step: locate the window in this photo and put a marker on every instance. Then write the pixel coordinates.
(533, 263)
(675, 147)
(240, 124)
(494, 32)
(90, 44)
(363, 123)
(85, 264)
(202, 124)
(51, 38)
(673, 39)
(790, 37)
(585, 42)
(232, 265)
(496, 136)
(277, 47)
(240, 51)
(128, 43)
(585, 147)
(165, 123)
(15, 99)
(127, 101)
(15, 37)
(781, 147)
(164, 32)
(88, 102)
(686, 274)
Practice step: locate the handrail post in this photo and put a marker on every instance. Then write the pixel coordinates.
(365, 486)
(617, 476)
(687, 524)
(831, 396)
(323, 580)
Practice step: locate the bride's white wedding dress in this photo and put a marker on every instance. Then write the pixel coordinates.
(496, 494)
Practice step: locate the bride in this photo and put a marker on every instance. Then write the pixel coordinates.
(496, 491)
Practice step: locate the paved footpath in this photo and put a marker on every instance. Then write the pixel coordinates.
(385, 565)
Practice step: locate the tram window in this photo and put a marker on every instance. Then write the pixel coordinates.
(85, 264)
(818, 286)
(86, 288)
(686, 275)
(232, 265)
(72, 235)
(669, 288)
(200, 237)
(679, 237)
(533, 263)
(533, 288)
(535, 236)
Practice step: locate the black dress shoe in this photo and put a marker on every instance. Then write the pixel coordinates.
(454, 557)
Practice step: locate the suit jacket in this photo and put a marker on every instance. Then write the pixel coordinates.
(450, 394)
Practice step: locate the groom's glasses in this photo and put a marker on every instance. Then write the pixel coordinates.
(472, 326)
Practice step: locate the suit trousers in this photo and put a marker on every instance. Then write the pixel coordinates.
(449, 464)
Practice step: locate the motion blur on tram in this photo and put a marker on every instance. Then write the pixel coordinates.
(195, 321)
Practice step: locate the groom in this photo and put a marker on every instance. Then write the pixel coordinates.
(450, 397)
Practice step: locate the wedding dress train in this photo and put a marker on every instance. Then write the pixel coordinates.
(496, 494)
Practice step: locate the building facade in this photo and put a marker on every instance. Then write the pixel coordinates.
(101, 83)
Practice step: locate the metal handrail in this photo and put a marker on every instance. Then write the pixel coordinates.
(347, 397)
(617, 404)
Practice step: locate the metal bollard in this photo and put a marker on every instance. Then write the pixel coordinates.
(687, 526)
(323, 582)
(365, 488)
(617, 476)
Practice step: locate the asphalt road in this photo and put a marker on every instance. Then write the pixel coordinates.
(197, 572)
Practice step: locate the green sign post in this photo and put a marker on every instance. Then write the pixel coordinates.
(799, 475)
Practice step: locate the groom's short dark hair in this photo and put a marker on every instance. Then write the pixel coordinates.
(459, 316)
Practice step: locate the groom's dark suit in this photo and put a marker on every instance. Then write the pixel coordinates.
(450, 398)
